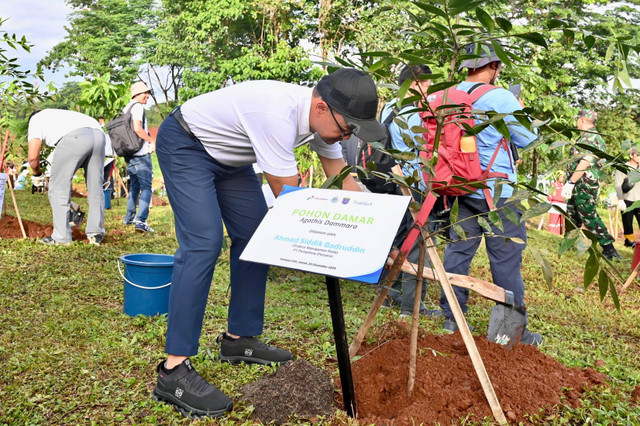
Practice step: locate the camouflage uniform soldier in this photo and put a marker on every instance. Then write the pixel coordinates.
(584, 184)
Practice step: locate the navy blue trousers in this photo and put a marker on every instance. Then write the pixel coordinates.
(505, 257)
(203, 194)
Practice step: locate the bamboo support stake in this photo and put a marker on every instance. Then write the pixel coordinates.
(15, 204)
(633, 275)
(415, 320)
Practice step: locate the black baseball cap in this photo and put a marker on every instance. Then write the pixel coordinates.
(353, 94)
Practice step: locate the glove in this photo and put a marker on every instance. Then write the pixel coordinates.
(567, 189)
(622, 206)
(37, 180)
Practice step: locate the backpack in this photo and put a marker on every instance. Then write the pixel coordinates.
(382, 160)
(457, 170)
(458, 165)
(124, 140)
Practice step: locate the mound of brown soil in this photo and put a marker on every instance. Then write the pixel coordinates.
(159, 201)
(447, 388)
(296, 388)
(10, 228)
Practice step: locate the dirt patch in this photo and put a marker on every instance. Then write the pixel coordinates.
(159, 201)
(10, 228)
(525, 380)
(635, 396)
(296, 388)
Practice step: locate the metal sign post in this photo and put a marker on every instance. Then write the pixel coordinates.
(342, 348)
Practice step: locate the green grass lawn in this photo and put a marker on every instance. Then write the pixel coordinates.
(68, 353)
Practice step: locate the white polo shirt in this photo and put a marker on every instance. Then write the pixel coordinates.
(50, 125)
(256, 121)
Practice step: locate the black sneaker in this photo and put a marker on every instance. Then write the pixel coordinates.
(530, 338)
(251, 351)
(610, 252)
(451, 326)
(191, 395)
(628, 243)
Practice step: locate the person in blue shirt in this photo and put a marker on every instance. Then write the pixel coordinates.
(403, 290)
(505, 257)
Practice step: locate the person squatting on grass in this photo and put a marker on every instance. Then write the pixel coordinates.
(139, 166)
(206, 148)
(628, 193)
(583, 185)
(78, 141)
(505, 257)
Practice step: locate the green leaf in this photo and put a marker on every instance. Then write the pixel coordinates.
(591, 268)
(440, 86)
(547, 270)
(609, 54)
(495, 218)
(431, 9)
(583, 245)
(504, 24)
(589, 41)
(459, 231)
(555, 23)
(534, 211)
(511, 216)
(454, 211)
(534, 38)
(603, 283)
(501, 53)
(485, 19)
(484, 224)
(614, 295)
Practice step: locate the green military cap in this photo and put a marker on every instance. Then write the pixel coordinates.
(588, 113)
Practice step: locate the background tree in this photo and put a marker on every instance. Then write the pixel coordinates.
(104, 37)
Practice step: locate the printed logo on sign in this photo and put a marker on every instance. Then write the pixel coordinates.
(313, 197)
(179, 393)
(346, 200)
(334, 200)
(248, 352)
(362, 203)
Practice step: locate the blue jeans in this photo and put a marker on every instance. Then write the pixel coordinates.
(140, 174)
(505, 257)
(203, 194)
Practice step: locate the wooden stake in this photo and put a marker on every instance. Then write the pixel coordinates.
(633, 275)
(610, 223)
(415, 320)
(15, 204)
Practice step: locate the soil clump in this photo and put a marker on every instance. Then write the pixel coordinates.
(296, 388)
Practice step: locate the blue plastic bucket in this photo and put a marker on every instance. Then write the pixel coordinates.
(107, 199)
(147, 281)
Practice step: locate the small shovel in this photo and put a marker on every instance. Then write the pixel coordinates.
(506, 324)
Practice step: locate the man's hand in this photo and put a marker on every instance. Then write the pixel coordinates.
(567, 190)
(622, 206)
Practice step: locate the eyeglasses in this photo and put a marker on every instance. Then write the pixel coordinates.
(342, 131)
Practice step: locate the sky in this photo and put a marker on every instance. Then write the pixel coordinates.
(42, 23)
